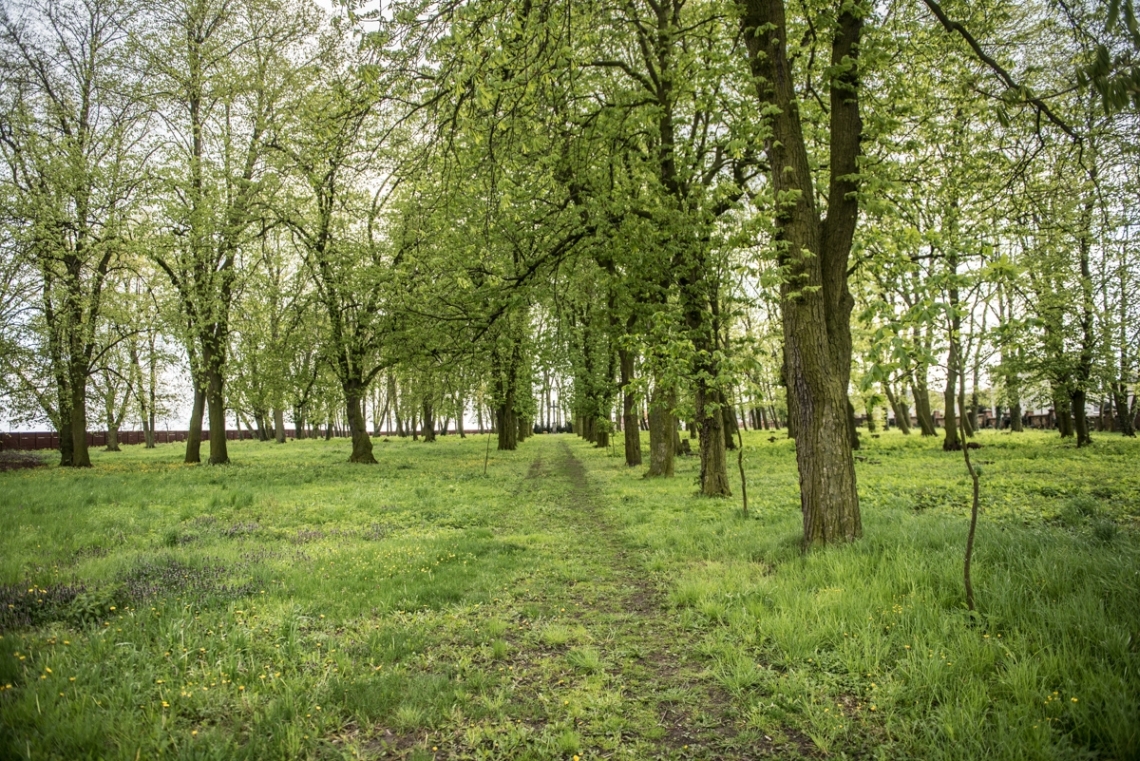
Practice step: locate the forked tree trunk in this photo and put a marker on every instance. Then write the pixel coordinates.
(815, 300)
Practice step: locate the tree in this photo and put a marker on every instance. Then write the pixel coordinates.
(221, 72)
(72, 135)
(814, 250)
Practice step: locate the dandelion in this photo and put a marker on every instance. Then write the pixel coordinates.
(1073, 699)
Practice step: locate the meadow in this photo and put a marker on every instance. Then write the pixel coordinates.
(292, 605)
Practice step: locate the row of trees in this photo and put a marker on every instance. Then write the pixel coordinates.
(703, 209)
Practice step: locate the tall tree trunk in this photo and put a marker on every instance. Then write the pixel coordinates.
(852, 426)
(965, 424)
(112, 420)
(1082, 376)
(951, 443)
(215, 403)
(921, 393)
(1120, 402)
(661, 425)
(507, 424)
(714, 457)
(428, 426)
(80, 457)
(1080, 417)
(730, 425)
(279, 424)
(1064, 413)
(194, 434)
(630, 427)
(152, 391)
(298, 423)
(358, 427)
(902, 414)
(815, 301)
(602, 433)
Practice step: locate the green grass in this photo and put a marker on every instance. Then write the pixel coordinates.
(294, 606)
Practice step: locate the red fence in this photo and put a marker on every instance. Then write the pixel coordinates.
(50, 440)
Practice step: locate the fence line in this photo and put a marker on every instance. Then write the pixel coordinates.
(33, 440)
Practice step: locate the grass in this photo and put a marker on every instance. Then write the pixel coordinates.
(294, 606)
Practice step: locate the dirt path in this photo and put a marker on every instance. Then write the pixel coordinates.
(580, 655)
(649, 672)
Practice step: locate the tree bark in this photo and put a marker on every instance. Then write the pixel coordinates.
(630, 427)
(731, 426)
(357, 425)
(298, 423)
(714, 458)
(215, 403)
(1063, 411)
(194, 434)
(80, 456)
(815, 300)
(1120, 402)
(428, 425)
(921, 393)
(661, 425)
(952, 442)
(507, 424)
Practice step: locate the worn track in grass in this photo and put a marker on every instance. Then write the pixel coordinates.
(655, 697)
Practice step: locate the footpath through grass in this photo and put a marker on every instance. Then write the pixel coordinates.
(295, 606)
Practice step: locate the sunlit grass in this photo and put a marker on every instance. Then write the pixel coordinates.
(871, 644)
(295, 606)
